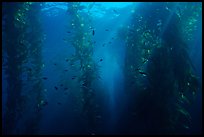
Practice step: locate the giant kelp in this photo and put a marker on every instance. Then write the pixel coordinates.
(34, 68)
(82, 42)
(160, 103)
(14, 67)
(159, 75)
(19, 41)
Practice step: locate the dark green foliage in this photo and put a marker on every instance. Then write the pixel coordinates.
(35, 37)
(19, 44)
(83, 54)
(14, 69)
(162, 97)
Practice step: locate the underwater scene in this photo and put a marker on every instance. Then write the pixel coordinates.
(101, 68)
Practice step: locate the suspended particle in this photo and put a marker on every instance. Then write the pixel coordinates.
(82, 25)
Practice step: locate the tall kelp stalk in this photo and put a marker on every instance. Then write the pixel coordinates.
(140, 40)
(82, 42)
(161, 101)
(19, 40)
(33, 70)
(15, 57)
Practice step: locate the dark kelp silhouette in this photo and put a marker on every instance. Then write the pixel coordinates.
(161, 96)
(23, 41)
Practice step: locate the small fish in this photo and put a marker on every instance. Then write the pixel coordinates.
(45, 78)
(93, 32)
(61, 85)
(59, 103)
(73, 77)
(107, 30)
(56, 88)
(109, 42)
(115, 11)
(66, 70)
(65, 88)
(143, 73)
(103, 44)
(101, 59)
(68, 32)
(67, 60)
(55, 64)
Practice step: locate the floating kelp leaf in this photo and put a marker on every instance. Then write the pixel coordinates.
(185, 113)
(185, 126)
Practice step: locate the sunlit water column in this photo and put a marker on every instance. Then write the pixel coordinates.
(112, 78)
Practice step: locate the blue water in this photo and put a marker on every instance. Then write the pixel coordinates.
(110, 93)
